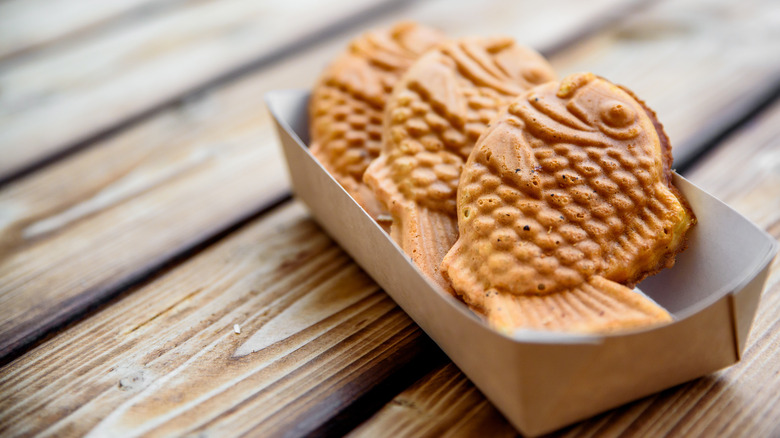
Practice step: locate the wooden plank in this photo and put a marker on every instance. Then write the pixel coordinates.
(167, 359)
(745, 170)
(700, 64)
(26, 25)
(547, 27)
(78, 232)
(110, 215)
(48, 408)
(443, 403)
(55, 101)
(743, 400)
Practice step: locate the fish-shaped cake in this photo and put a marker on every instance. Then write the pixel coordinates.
(438, 109)
(564, 205)
(349, 98)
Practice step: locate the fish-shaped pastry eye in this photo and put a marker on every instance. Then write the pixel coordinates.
(616, 114)
(612, 115)
(618, 120)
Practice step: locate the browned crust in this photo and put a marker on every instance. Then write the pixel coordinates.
(666, 146)
(668, 260)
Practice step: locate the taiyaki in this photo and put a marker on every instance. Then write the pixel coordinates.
(348, 100)
(438, 109)
(564, 205)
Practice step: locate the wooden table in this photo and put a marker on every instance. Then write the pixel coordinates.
(146, 218)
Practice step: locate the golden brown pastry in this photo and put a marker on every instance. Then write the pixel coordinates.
(347, 103)
(566, 203)
(436, 113)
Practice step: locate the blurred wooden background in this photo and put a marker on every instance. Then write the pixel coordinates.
(145, 210)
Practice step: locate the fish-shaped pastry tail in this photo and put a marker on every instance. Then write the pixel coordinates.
(597, 306)
(563, 206)
(424, 234)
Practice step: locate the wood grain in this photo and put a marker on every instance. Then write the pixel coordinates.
(27, 25)
(89, 225)
(443, 403)
(546, 26)
(701, 65)
(110, 215)
(743, 400)
(745, 170)
(316, 335)
(92, 85)
(197, 172)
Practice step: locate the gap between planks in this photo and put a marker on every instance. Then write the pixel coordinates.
(90, 301)
(165, 359)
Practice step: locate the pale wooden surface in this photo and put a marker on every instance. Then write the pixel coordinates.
(192, 190)
(545, 26)
(123, 71)
(202, 165)
(30, 24)
(120, 72)
(742, 400)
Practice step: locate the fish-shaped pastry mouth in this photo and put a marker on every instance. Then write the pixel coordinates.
(565, 199)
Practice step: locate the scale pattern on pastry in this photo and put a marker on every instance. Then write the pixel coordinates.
(347, 103)
(436, 113)
(564, 205)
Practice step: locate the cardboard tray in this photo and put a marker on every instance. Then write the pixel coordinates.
(544, 381)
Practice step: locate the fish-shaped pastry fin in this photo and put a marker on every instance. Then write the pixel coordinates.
(596, 306)
(438, 109)
(563, 206)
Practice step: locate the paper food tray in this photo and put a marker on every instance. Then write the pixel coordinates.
(544, 381)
